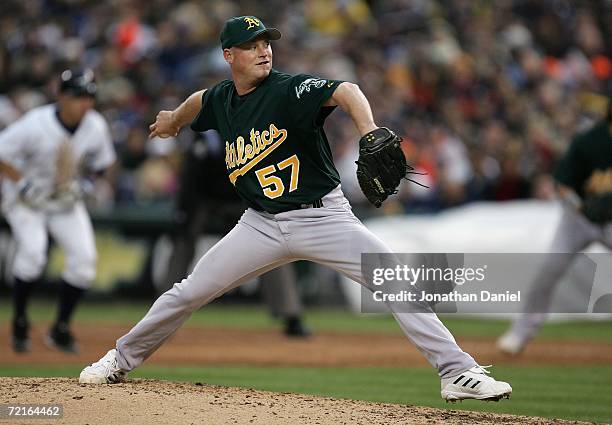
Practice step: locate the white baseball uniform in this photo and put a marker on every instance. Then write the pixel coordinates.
(52, 158)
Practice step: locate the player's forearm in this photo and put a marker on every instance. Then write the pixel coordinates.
(187, 111)
(352, 101)
(9, 171)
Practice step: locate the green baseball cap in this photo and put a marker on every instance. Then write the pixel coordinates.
(240, 29)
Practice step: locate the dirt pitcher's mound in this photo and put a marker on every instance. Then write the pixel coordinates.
(162, 402)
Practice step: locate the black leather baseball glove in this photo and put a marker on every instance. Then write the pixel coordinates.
(381, 165)
(598, 208)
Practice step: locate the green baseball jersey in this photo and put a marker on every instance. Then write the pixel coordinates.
(589, 152)
(276, 152)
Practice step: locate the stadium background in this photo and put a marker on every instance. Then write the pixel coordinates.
(486, 94)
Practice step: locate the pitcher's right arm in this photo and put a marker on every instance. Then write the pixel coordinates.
(169, 123)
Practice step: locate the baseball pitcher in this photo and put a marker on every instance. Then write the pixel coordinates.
(279, 161)
(43, 157)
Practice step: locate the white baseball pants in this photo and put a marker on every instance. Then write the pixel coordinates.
(73, 232)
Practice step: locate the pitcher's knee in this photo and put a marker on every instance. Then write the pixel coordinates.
(193, 295)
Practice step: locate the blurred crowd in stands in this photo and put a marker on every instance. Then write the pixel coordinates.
(487, 94)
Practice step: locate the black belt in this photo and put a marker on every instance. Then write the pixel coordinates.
(318, 203)
(315, 204)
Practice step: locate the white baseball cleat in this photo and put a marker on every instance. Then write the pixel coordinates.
(474, 384)
(511, 344)
(104, 371)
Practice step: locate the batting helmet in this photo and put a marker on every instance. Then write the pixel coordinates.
(78, 82)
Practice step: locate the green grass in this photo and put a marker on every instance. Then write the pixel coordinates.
(339, 320)
(575, 392)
